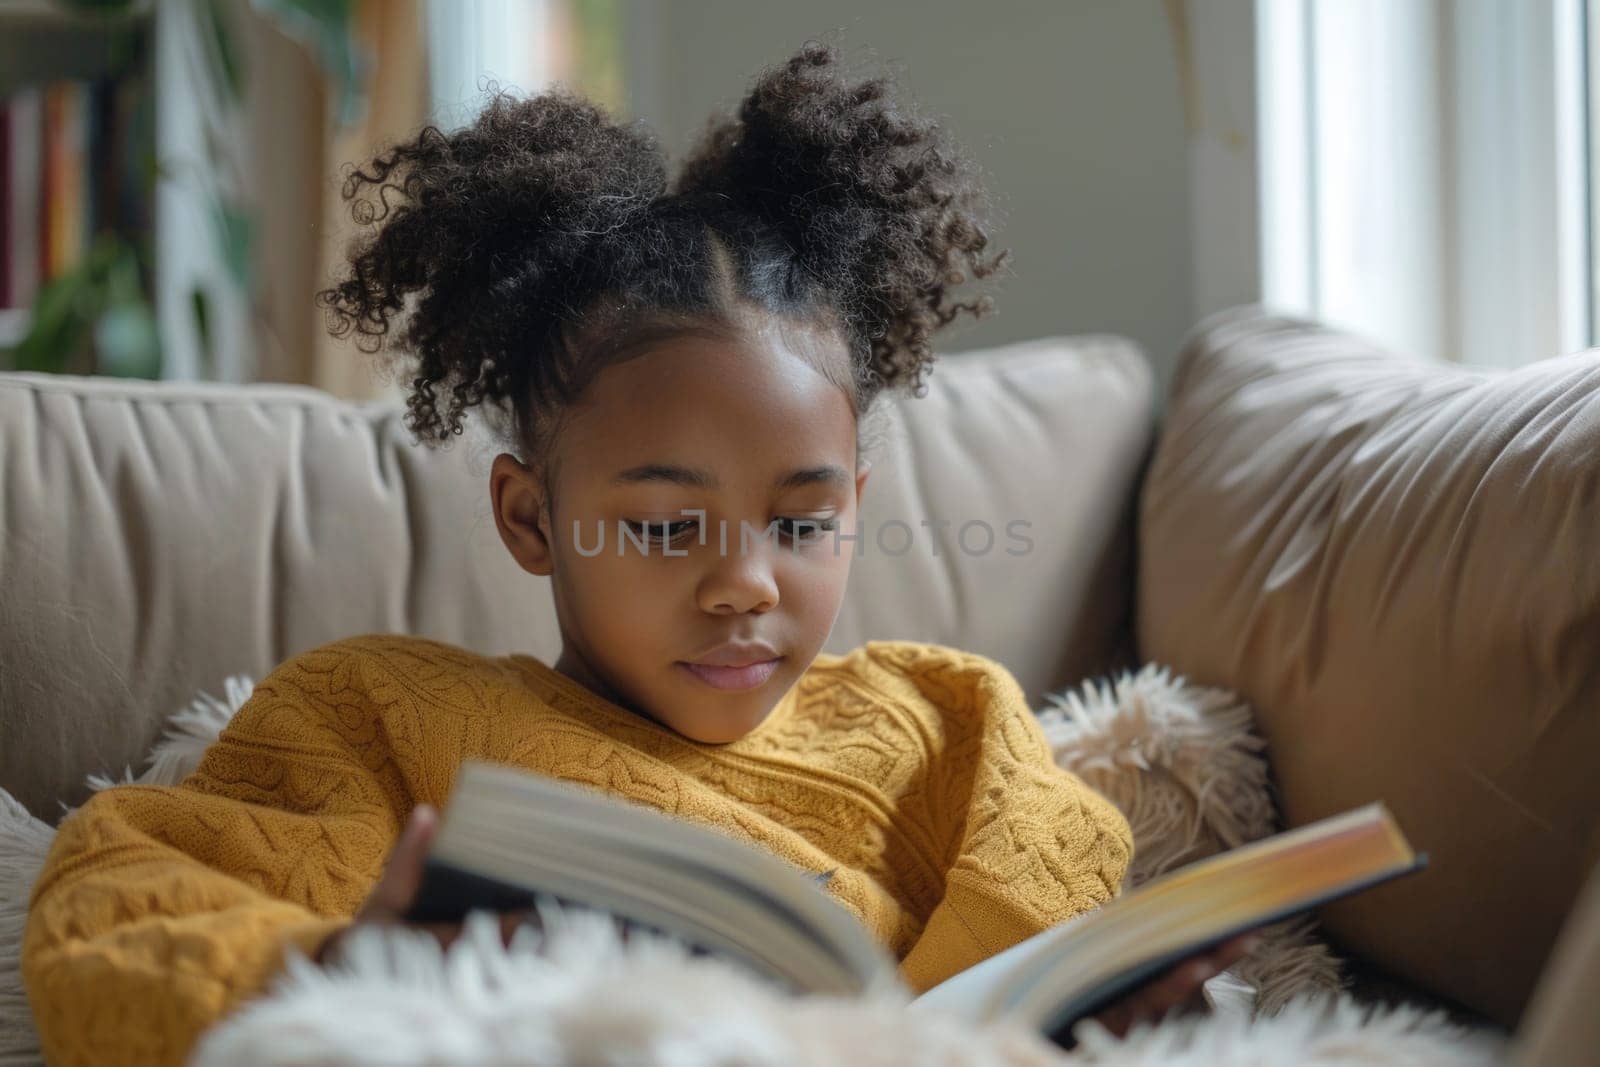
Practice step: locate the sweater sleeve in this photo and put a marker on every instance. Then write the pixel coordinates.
(1033, 845)
(161, 908)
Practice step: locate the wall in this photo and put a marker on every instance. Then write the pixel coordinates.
(1075, 109)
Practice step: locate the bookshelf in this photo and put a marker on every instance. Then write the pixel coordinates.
(76, 142)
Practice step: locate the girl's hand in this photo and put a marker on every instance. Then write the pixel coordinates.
(402, 874)
(1177, 988)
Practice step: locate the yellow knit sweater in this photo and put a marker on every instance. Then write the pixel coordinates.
(914, 771)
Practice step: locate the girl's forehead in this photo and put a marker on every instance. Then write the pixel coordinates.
(751, 405)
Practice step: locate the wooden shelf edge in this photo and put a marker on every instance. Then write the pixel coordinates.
(16, 14)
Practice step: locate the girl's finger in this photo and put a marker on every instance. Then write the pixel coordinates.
(1118, 1018)
(1177, 986)
(511, 922)
(402, 874)
(1180, 986)
(443, 932)
(1231, 951)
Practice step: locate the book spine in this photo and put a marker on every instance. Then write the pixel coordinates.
(135, 143)
(50, 186)
(5, 203)
(75, 173)
(26, 203)
(102, 158)
(65, 182)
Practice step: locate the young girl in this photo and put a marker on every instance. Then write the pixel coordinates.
(683, 376)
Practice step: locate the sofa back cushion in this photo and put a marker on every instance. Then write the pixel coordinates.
(1395, 561)
(160, 536)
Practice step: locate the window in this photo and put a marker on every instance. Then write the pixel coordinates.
(1425, 172)
(470, 41)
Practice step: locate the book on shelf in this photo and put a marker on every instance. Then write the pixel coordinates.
(509, 837)
(73, 164)
(66, 146)
(23, 239)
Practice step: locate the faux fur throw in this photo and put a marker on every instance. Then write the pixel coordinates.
(1179, 760)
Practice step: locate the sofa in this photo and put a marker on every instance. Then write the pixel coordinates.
(1392, 560)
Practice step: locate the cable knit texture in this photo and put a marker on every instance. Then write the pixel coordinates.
(916, 772)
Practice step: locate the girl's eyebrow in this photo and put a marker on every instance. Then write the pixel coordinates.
(694, 478)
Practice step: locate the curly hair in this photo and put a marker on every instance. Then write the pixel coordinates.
(526, 251)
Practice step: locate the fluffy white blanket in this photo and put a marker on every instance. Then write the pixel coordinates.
(1179, 760)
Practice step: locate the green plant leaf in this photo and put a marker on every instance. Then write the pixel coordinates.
(122, 275)
(236, 229)
(323, 28)
(58, 326)
(201, 304)
(69, 329)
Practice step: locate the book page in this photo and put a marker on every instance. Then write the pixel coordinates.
(1071, 969)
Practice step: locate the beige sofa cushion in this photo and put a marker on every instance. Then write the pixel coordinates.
(1396, 561)
(158, 537)
(1562, 1024)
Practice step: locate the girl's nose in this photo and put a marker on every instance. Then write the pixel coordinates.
(735, 584)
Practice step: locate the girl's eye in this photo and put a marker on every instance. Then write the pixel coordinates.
(661, 532)
(807, 531)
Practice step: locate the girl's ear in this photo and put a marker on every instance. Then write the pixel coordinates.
(519, 513)
(863, 469)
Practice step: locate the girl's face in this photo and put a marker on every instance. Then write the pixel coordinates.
(743, 449)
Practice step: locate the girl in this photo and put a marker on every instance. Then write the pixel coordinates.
(684, 377)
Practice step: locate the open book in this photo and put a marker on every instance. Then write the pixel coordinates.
(509, 837)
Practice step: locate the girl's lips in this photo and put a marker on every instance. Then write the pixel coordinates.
(747, 677)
